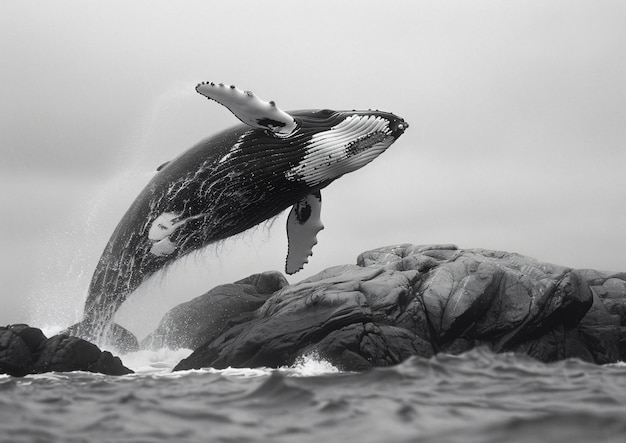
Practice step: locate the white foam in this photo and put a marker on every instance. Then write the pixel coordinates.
(161, 361)
(311, 365)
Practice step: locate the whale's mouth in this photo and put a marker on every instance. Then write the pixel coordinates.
(345, 147)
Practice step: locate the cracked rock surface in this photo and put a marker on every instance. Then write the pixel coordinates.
(406, 300)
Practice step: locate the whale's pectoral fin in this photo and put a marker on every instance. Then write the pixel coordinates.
(303, 224)
(249, 108)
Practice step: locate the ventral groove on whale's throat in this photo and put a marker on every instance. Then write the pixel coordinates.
(232, 181)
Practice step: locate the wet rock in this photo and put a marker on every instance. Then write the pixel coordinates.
(16, 358)
(191, 324)
(406, 300)
(25, 350)
(63, 353)
(33, 337)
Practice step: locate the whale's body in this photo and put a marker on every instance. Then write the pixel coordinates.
(231, 182)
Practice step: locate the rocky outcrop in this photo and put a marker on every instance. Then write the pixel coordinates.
(191, 324)
(26, 350)
(407, 300)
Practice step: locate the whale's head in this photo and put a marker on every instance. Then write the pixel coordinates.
(338, 142)
(319, 146)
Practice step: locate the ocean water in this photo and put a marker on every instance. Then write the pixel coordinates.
(474, 397)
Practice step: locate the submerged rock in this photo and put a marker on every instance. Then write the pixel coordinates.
(407, 300)
(26, 350)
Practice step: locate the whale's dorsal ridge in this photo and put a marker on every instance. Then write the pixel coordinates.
(163, 165)
(249, 108)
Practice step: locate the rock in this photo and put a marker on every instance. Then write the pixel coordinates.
(406, 300)
(16, 358)
(202, 319)
(63, 353)
(25, 350)
(32, 337)
(116, 337)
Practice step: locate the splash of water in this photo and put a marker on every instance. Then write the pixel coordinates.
(68, 257)
(312, 364)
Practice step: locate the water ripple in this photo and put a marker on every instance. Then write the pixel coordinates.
(474, 397)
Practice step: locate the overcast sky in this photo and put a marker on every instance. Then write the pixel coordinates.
(517, 139)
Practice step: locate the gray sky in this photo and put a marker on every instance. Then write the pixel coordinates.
(517, 137)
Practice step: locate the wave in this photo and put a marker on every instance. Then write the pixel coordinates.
(474, 397)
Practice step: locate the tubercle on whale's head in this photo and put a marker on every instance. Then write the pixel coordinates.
(342, 142)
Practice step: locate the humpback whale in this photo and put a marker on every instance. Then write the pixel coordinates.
(231, 182)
